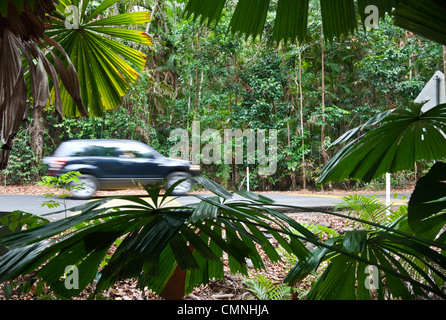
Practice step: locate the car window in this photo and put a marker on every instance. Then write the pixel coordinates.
(135, 150)
(97, 151)
(136, 154)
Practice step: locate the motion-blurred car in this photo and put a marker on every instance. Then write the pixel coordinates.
(118, 164)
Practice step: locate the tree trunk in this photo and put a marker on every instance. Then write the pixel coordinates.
(292, 174)
(175, 288)
(37, 131)
(444, 60)
(301, 101)
(324, 152)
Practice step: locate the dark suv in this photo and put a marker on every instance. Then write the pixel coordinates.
(117, 164)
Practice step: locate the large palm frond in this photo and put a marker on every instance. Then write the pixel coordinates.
(339, 17)
(426, 18)
(22, 36)
(158, 242)
(427, 205)
(105, 65)
(404, 137)
(380, 264)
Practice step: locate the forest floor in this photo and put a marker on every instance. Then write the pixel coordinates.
(232, 287)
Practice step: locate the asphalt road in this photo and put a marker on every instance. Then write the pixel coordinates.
(33, 203)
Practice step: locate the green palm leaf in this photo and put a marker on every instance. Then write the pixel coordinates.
(366, 208)
(425, 18)
(106, 66)
(427, 204)
(404, 137)
(157, 240)
(395, 258)
(249, 18)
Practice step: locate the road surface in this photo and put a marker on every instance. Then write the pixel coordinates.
(33, 203)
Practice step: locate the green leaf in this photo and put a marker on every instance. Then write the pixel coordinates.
(425, 18)
(182, 253)
(130, 18)
(249, 17)
(214, 187)
(204, 210)
(4, 8)
(291, 21)
(205, 9)
(337, 282)
(403, 138)
(99, 58)
(255, 197)
(338, 18)
(99, 9)
(426, 215)
(8, 290)
(354, 241)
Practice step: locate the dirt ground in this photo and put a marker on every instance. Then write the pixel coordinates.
(40, 190)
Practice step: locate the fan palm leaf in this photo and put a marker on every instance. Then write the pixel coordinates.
(173, 249)
(425, 18)
(404, 137)
(339, 17)
(106, 66)
(157, 241)
(427, 204)
(373, 256)
(366, 208)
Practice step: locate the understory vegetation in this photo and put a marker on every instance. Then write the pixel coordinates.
(158, 250)
(343, 110)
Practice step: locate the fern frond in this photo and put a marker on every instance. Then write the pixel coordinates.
(265, 289)
(368, 208)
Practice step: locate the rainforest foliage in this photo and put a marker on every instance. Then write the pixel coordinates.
(310, 92)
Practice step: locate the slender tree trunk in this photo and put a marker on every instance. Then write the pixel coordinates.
(197, 80)
(444, 60)
(301, 102)
(292, 174)
(152, 15)
(324, 152)
(200, 87)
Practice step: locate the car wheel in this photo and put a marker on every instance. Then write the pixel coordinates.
(85, 188)
(184, 186)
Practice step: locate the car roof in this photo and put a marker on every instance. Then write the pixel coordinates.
(100, 140)
(67, 146)
(105, 142)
